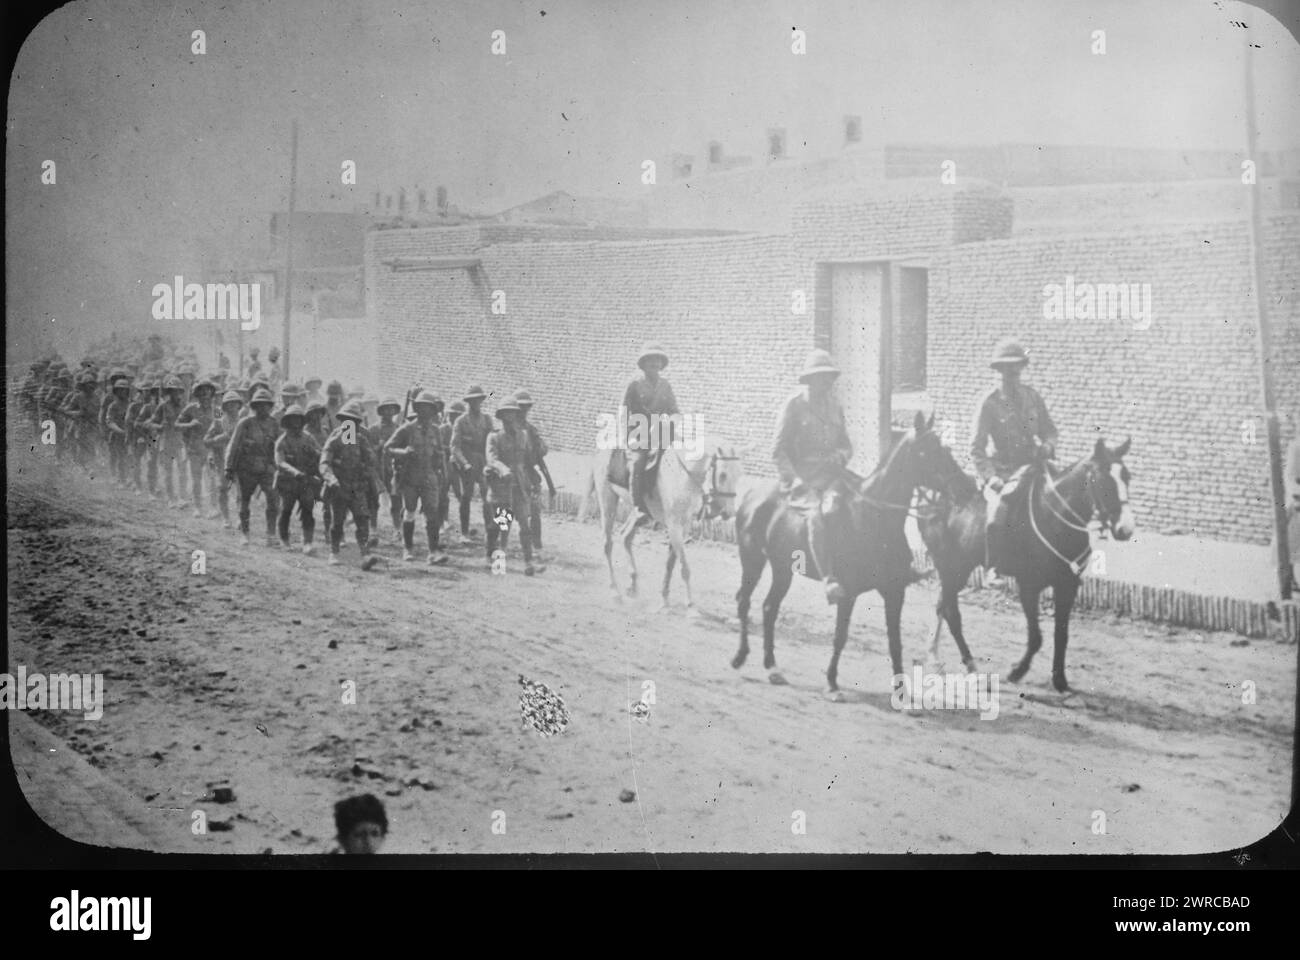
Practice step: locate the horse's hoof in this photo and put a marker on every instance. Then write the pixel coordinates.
(833, 695)
(934, 666)
(1015, 675)
(1058, 681)
(738, 661)
(631, 592)
(776, 679)
(970, 665)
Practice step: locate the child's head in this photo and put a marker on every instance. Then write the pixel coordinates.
(362, 824)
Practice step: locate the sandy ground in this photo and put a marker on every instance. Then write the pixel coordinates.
(237, 675)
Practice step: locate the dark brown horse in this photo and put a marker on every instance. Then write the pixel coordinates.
(1048, 544)
(870, 547)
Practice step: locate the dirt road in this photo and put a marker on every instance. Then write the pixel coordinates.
(239, 674)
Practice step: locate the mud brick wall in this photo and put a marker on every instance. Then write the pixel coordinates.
(577, 314)
(1181, 388)
(911, 216)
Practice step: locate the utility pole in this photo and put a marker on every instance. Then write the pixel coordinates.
(1260, 291)
(288, 254)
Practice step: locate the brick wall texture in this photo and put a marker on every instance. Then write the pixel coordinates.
(578, 306)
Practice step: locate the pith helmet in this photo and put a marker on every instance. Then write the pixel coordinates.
(261, 383)
(351, 411)
(475, 393)
(651, 350)
(121, 383)
(205, 384)
(335, 389)
(1008, 353)
(507, 406)
(232, 397)
(389, 403)
(273, 354)
(819, 361)
(427, 397)
(86, 379)
(312, 379)
(262, 396)
(316, 406)
(292, 390)
(457, 406)
(173, 383)
(295, 412)
(524, 399)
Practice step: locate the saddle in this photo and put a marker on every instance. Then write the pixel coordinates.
(619, 473)
(1013, 514)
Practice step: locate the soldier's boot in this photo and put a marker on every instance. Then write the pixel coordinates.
(465, 532)
(308, 535)
(368, 559)
(822, 553)
(995, 546)
(243, 532)
(335, 559)
(408, 540)
(437, 556)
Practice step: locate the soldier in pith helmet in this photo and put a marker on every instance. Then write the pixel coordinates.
(115, 428)
(539, 450)
(469, 453)
(218, 441)
(419, 466)
(146, 436)
(316, 429)
(451, 481)
(194, 422)
(297, 478)
(250, 462)
(170, 446)
(347, 466)
(1014, 418)
(388, 410)
(511, 484)
(648, 396)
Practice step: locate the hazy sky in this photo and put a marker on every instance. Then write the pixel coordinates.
(164, 156)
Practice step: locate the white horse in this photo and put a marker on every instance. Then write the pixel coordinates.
(698, 481)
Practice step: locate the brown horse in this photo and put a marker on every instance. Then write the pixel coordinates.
(1047, 543)
(871, 552)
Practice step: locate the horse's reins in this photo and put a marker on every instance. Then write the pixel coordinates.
(1079, 564)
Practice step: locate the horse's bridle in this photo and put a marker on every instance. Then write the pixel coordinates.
(710, 487)
(1107, 520)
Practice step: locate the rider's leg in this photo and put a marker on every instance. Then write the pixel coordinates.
(637, 462)
(819, 543)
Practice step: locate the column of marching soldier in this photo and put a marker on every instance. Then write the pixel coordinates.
(163, 431)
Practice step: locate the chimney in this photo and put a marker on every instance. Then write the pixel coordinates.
(441, 200)
(715, 153)
(401, 201)
(378, 202)
(852, 129)
(776, 143)
(422, 199)
(388, 201)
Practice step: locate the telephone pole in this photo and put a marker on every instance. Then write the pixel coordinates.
(288, 253)
(1260, 291)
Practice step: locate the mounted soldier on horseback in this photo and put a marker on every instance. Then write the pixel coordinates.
(1014, 418)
